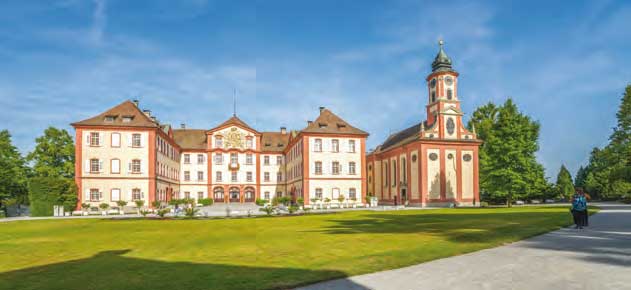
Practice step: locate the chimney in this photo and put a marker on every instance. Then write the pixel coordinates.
(182, 126)
(154, 119)
(309, 123)
(147, 112)
(283, 130)
(321, 109)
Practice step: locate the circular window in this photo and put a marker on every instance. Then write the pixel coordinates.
(450, 156)
(433, 156)
(466, 157)
(413, 158)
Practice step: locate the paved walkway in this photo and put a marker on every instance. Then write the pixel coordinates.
(598, 257)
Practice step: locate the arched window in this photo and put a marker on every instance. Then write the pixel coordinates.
(450, 94)
(218, 194)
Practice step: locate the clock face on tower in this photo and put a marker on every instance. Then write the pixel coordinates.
(433, 83)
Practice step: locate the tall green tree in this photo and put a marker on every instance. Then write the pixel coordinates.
(508, 165)
(609, 170)
(581, 175)
(53, 154)
(13, 173)
(564, 184)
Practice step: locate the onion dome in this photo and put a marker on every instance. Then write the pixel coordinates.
(442, 62)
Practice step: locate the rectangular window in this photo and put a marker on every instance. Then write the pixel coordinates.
(200, 158)
(233, 176)
(218, 158)
(187, 175)
(234, 158)
(95, 139)
(351, 146)
(248, 176)
(218, 176)
(248, 143)
(318, 168)
(266, 176)
(136, 194)
(266, 195)
(115, 194)
(335, 168)
(95, 195)
(266, 160)
(279, 177)
(200, 175)
(352, 193)
(187, 158)
(218, 142)
(351, 168)
(135, 140)
(248, 159)
(335, 145)
(279, 160)
(135, 166)
(94, 165)
(318, 193)
(187, 194)
(200, 195)
(116, 140)
(317, 146)
(115, 166)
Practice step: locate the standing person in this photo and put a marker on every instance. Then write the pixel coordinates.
(579, 208)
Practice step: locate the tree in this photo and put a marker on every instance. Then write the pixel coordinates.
(13, 173)
(608, 174)
(581, 175)
(508, 165)
(54, 154)
(46, 192)
(564, 184)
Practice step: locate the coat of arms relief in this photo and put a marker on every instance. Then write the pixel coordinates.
(234, 139)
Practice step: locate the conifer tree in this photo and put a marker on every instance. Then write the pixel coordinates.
(564, 184)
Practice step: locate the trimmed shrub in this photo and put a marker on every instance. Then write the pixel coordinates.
(206, 201)
(260, 202)
(46, 192)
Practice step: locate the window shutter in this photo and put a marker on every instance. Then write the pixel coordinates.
(129, 143)
(87, 138)
(87, 194)
(87, 166)
(129, 167)
(143, 165)
(101, 138)
(129, 194)
(100, 165)
(142, 140)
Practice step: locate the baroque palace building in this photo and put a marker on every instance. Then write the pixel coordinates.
(126, 154)
(434, 162)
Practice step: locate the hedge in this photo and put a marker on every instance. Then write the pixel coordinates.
(46, 192)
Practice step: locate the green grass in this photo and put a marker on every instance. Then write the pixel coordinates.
(254, 253)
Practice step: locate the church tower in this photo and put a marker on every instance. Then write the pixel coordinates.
(444, 116)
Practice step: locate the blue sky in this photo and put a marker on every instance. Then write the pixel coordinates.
(565, 63)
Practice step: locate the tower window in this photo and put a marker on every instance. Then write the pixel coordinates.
(433, 97)
(450, 94)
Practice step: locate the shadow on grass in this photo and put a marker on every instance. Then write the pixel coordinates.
(113, 270)
(469, 226)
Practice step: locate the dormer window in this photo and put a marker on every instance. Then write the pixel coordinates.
(322, 125)
(109, 119)
(339, 125)
(127, 119)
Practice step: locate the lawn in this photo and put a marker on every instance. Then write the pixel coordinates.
(250, 253)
